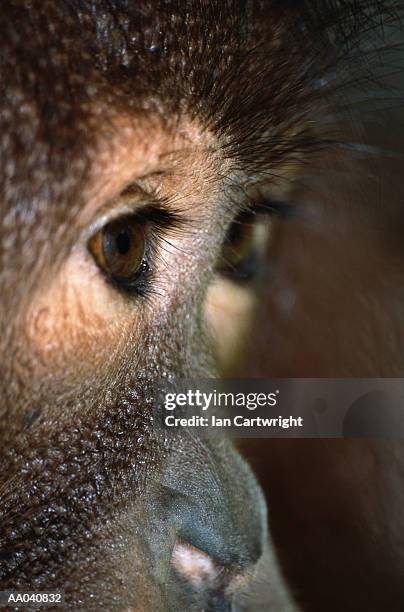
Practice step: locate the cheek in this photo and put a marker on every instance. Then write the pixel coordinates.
(78, 323)
(229, 312)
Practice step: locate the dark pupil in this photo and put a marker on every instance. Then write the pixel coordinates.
(122, 242)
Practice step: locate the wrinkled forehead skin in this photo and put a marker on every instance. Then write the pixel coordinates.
(82, 462)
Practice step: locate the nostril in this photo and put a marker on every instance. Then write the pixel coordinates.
(217, 544)
(207, 584)
(194, 566)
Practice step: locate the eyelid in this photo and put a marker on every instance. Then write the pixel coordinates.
(103, 218)
(155, 218)
(283, 209)
(157, 213)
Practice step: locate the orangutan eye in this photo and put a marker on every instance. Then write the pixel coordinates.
(119, 249)
(244, 246)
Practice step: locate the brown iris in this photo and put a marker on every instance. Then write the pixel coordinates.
(239, 243)
(119, 249)
(243, 247)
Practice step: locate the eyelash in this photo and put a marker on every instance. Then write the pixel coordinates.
(158, 219)
(143, 283)
(155, 219)
(243, 248)
(282, 209)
